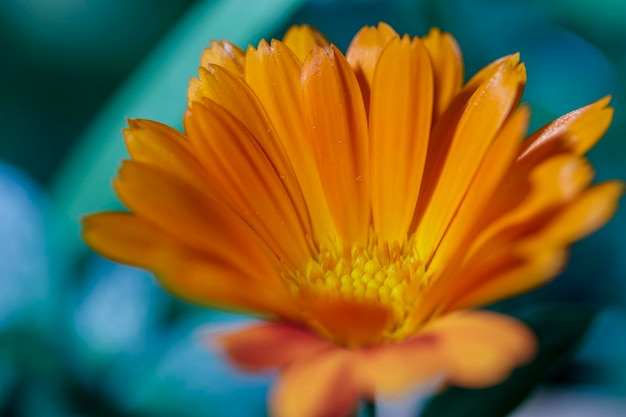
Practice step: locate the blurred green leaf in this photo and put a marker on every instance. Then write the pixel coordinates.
(156, 91)
(559, 330)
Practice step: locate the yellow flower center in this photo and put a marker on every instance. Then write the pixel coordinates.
(385, 273)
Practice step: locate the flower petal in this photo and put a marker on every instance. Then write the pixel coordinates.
(188, 215)
(215, 284)
(224, 54)
(521, 204)
(400, 117)
(508, 276)
(246, 179)
(127, 238)
(364, 51)
(317, 386)
(583, 216)
(497, 161)
(302, 39)
(575, 132)
(161, 146)
(346, 322)
(518, 267)
(448, 174)
(447, 63)
(273, 72)
(231, 93)
(271, 345)
(124, 237)
(337, 127)
(397, 368)
(480, 349)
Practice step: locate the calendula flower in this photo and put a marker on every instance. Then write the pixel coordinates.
(364, 205)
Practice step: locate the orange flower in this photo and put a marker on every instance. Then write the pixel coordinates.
(361, 203)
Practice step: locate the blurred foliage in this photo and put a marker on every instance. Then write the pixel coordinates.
(80, 336)
(61, 60)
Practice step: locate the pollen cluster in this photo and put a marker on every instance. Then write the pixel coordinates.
(387, 273)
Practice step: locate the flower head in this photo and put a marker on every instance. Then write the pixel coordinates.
(363, 204)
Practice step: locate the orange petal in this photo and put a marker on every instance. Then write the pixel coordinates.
(237, 98)
(530, 261)
(124, 238)
(247, 180)
(364, 51)
(459, 278)
(587, 213)
(577, 131)
(443, 132)
(185, 213)
(495, 282)
(317, 386)
(302, 39)
(447, 62)
(366, 47)
(224, 54)
(399, 133)
(489, 174)
(271, 345)
(348, 323)
(159, 145)
(337, 127)
(397, 368)
(481, 348)
(482, 118)
(273, 72)
(129, 239)
(210, 282)
(551, 184)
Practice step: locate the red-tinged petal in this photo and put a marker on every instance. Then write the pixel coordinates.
(399, 119)
(281, 100)
(364, 51)
(448, 174)
(303, 39)
(480, 349)
(224, 54)
(447, 63)
(575, 132)
(337, 128)
(397, 368)
(319, 386)
(271, 345)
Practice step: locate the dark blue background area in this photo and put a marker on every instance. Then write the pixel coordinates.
(80, 336)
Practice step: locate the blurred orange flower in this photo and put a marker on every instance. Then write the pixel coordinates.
(363, 204)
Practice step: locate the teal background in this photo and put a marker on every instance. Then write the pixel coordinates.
(80, 336)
